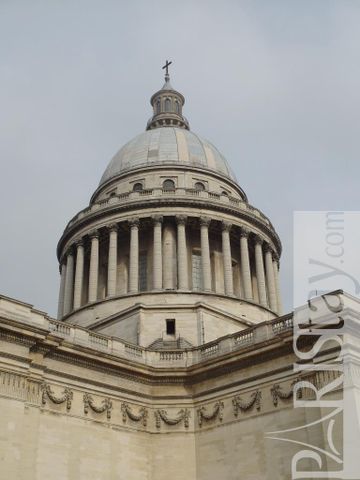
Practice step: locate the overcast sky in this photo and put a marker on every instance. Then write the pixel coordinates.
(273, 84)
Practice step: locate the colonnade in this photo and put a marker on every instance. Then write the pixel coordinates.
(263, 264)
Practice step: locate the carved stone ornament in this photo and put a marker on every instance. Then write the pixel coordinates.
(216, 413)
(128, 413)
(105, 406)
(94, 234)
(258, 239)
(181, 219)
(244, 232)
(205, 221)
(134, 222)
(183, 415)
(226, 226)
(240, 405)
(157, 219)
(278, 393)
(113, 227)
(66, 396)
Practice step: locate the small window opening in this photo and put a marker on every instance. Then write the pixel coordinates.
(225, 193)
(177, 107)
(167, 105)
(199, 186)
(158, 107)
(170, 327)
(169, 185)
(138, 187)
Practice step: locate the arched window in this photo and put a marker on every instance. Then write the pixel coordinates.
(158, 107)
(169, 185)
(167, 105)
(199, 186)
(177, 107)
(137, 187)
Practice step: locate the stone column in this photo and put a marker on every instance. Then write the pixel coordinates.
(205, 253)
(157, 253)
(182, 253)
(79, 274)
(277, 283)
(245, 264)
(260, 274)
(134, 255)
(69, 283)
(169, 262)
(94, 266)
(227, 258)
(270, 279)
(112, 260)
(61, 291)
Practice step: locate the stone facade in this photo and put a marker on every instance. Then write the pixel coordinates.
(170, 357)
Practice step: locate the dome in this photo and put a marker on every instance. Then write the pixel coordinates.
(167, 146)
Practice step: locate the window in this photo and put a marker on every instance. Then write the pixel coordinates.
(199, 186)
(170, 327)
(169, 185)
(158, 109)
(225, 193)
(177, 107)
(143, 272)
(196, 271)
(167, 105)
(137, 187)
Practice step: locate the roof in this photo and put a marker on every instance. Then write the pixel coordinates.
(167, 146)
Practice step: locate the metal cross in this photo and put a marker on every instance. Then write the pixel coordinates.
(167, 64)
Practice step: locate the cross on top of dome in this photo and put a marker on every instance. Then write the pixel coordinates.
(167, 106)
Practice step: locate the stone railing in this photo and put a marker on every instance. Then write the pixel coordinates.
(179, 193)
(23, 314)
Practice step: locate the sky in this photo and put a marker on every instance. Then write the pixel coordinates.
(274, 84)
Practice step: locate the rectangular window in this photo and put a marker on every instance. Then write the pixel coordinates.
(196, 271)
(170, 327)
(143, 272)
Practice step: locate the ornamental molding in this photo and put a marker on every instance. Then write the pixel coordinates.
(205, 221)
(141, 416)
(47, 393)
(181, 219)
(182, 416)
(157, 219)
(217, 413)
(244, 232)
(277, 393)
(240, 405)
(105, 406)
(113, 227)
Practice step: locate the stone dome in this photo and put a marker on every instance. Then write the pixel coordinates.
(167, 146)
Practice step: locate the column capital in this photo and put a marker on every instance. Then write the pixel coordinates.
(268, 248)
(275, 257)
(205, 221)
(94, 234)
(226, 226)
(113, 227)
(70, 251)
(134, 222)
(157, 219)
(244, 232)
(181, 219)
(79, 242)
(258, 239)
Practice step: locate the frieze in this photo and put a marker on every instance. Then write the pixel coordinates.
(278, 393)
(65, 397)
(128, 413)
(217, 413)
(105, 406)
(240, 405)
(183, 415)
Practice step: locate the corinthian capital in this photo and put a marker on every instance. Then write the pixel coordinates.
(94, 234)
(205, 221)
(244, 232)
(226, 226)
(113, 227)
(181, 219)
(157, 219)
(258, 239)
(134, 222)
